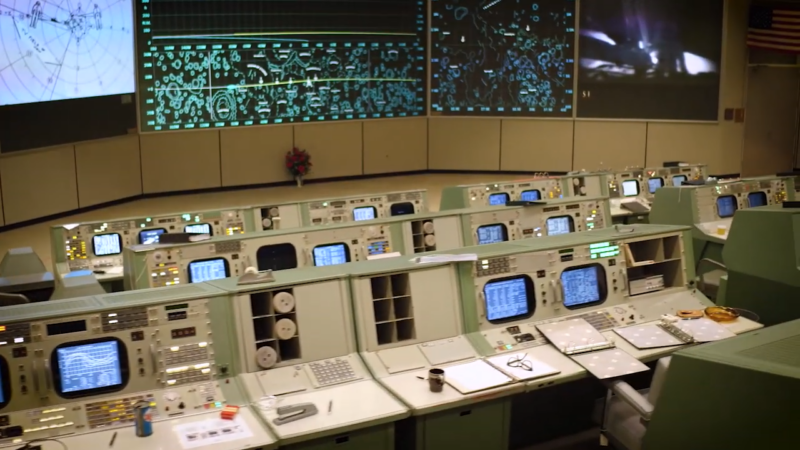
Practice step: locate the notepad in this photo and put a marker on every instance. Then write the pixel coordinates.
(475, 376)
(539, 369)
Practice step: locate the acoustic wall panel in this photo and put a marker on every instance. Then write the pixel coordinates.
(690, 142)
(464, 144)
(607, 145)
(392, 146)
(108, 170)
(180, 161)
(255, 155)
(336, 148)
(537, 145)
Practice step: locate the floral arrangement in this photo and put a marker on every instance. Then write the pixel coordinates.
(298, 162)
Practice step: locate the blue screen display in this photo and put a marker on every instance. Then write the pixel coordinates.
(506, 299)
(678, 180)
(107, 244)
(530, 196)
(89, 366)
(200, 228)
(654, 183)
(757, 199)
(498, 199)
(150, 236)
(2, 397)
(364, 213)
(210, 269)
(726, 206)
(492, 234)
(581, 286)
(330, 255)
(559, 225)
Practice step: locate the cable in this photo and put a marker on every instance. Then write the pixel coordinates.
(34, 441)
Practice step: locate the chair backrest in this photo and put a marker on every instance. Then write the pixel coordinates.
(12, 299)
(659, 377)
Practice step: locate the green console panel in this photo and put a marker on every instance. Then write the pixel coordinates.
(379, 437)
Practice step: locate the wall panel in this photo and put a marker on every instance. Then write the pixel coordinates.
(395, 145)
(536, 145)
(255, 155)
(38, 183)
(732, 88)
(609, 145)
(687, 142)
(336, 148)
(463, 144)
(108, 170)
(180, 161)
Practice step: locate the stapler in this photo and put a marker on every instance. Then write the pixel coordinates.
(292, 413)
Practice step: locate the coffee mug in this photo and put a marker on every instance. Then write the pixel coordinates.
(436, 380)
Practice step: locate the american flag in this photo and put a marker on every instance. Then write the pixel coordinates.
(776, 29)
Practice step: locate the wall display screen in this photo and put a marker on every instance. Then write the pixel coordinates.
(214, 63)
(584, 285)
(199, 228)
(678, 180)
(757, 199)
(531, 195)
(107, 244)
(364, 213)
(58, 50)
(726, 206)
(502, 58)
(208, 269)
(653, 184)
(509, 299)
(492, 234)
(560, 225)
(90, 367)
(630, 188)
(498, 199)
(151, 236)
(649, 59)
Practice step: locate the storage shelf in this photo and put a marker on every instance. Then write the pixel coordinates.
(393, 309)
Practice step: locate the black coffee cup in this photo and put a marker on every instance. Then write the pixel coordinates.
(436, 380)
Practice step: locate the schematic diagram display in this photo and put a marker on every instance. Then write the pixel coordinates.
(89, 366)
(502, 57)
(214, 63)
(65, 49)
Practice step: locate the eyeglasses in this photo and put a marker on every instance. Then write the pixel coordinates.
(519, 362)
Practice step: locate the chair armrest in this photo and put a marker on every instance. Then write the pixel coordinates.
(632, 397)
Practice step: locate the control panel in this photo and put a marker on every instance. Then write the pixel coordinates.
(278, 217)
(356, 209)
(721, 201)
(496, 194)
(627, 183)
(568, 217)
(191, 263)
(85, 372)
(655, 178)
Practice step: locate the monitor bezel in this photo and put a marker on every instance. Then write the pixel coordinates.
(55, 369)
(210, 228)
(538, 193)
(404, 204)
(766, 198)
(224, 261)
(569, 218)
(638, 188)
(655, 178)
(508, 198)
(281, 245)
(333, 244)
(529, 290)
(374, 213)
(685, 179)
(163, 231)
(735, 205)
(5, 383)
(502, 227)
(94, 250)
(602, 283)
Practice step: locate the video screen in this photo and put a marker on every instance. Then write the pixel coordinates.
(208, 269)
(757, 199)
(5, 384)
(199, 228)
(65, 50)
(90, 367)
(377, 248)
(678, 180)
(726, 206)
(630, 188)
(492, 234)
(560, 225)
(583, 285)
(364, 213)
(106, 244)
(401, 209)
(500, 198)
(276, 257)
(151, 236)
(531, 195)
(653, 184)
(509, 299)
(331, 254)
(650, 59)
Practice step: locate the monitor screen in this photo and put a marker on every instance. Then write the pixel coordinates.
(560, 225)
(678, 180)
(90, 367)
(5, 385)
(208, 269)
(151, 236)
(726, 206)
(498, 199)
(107, 244)
(583, 285)
(377, 247)
(401, 209)
(331, 254)
(199, 228)
(630, 188)
(654, 183)
(364, 213)
(276, 257)
(531, 195)
(757, 199)
(509, 299)
(492, 234)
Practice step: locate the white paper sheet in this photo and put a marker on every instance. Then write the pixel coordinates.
(211, 431)
(474, 376)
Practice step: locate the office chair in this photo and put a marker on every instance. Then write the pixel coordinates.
(12, 299)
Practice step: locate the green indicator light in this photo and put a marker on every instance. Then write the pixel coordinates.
(600, 245)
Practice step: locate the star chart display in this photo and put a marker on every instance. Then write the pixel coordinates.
(65, 49)
(502, 57)
(234, 63)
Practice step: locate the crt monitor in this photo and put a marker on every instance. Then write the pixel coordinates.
(757, 199)
(364, 213)
(726, 206)
(331, 254)
(276, 257)
(584, 286)
(151, 236)
(5, 384)
(199, 228)
(108, 244)
(630, 188)
(654, 183)
(90, 367)
(208, 269)
(678, 180)
(492, 234)
(531, 195)
(500, 198)
(509, 299)
(560, 225)
(401, 209)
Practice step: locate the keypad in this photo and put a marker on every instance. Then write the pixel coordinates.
(332, 371)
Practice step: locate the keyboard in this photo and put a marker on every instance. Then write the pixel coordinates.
(333, 372)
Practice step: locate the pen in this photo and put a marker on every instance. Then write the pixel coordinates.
(113, 438)
(421, 378)
(330, 406)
